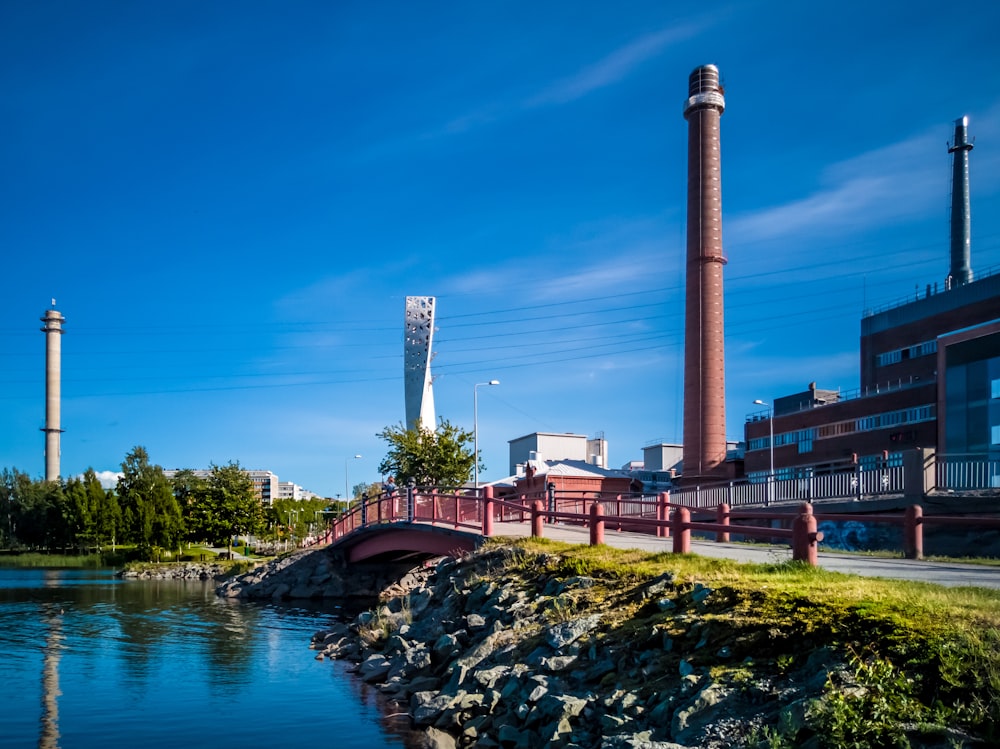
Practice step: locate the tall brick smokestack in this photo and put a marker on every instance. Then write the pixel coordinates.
(704, 346)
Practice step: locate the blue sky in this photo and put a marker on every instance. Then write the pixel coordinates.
(230, 201)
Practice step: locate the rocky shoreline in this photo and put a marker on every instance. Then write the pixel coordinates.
(478, 659)
(179, 571)
(513, 649)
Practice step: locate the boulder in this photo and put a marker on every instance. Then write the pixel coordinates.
(560, 635)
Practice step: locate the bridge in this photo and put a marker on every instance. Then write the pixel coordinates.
(415, 523)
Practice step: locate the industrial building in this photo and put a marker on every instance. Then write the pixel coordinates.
(539, 446)
(929, 375)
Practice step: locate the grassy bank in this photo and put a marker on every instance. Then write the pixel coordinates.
(901, 659)
(65, 561)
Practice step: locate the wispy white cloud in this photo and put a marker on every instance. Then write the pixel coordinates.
(614, 257)
(881, 187)
(613, 67)
(876, 188)
(607, 71)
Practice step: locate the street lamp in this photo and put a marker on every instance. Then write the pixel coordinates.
(475, 423)
(770, 422)
(347, 488)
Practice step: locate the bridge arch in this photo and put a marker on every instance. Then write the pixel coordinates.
(404, 541)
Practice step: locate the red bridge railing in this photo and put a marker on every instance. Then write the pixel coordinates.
(480, 511)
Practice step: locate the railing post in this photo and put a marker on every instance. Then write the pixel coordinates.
(596, 524)
(364, 509)
(487, 511)
(410, 491)
(618, 512)
(722, 518)
(805, 538)
(913, 532)
(682, 533)
(536, 518)
(663, 514)
(550, 489)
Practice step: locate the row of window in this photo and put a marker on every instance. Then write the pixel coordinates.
(804, 437)
(909, 352)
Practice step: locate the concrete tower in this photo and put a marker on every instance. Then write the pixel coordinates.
(704, 346)
(961, 212)
(53, 377)
(418, 337)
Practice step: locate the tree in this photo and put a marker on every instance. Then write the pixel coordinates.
(191, 492)
(232, 506)
(77, 515)
(440, 458)
(297, 515)
(150, 513)
(104, 510)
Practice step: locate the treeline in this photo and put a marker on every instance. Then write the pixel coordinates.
(146, 510)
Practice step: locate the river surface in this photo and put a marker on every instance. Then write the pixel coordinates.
(88, 660)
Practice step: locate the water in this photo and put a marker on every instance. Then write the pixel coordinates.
(87, 660)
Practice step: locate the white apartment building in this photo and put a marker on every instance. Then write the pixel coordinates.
(265, 483)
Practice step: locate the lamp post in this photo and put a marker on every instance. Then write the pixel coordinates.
(770, 423)
(347, 487)
(475, 423)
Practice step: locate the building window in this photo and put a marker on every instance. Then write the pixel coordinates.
(995, 388)
(996, 434)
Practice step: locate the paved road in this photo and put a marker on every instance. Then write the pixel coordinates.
(943, 573)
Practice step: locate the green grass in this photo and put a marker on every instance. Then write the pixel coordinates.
(74, 561)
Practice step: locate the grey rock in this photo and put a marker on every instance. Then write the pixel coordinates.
(435, 738)
(558, 663)
(700, 593)
(689, 720)
(396, 644)
(374, 668)
(561, 706)
(475, 622)
(611, 723)
(538, 686)
(445, 648)
(512, 738)
(637, 741)
(488, 677)
(279, 592)
(426, 707)
(658, 586)
(563, 634)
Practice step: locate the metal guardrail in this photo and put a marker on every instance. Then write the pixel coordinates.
(855, 483)
(966, 472)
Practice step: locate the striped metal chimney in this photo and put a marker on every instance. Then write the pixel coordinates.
(961, 212)
(704, 347)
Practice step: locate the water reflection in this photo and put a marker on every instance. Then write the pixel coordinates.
(49, 734)
(88, 660)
